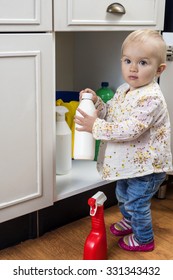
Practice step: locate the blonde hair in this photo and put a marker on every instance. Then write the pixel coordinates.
(144, 35)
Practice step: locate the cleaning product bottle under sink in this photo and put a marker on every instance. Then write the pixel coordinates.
(95, 247)
(84, 143)
(105, 93)
(63, 142)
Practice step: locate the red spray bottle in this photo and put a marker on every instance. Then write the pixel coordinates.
(95, 247)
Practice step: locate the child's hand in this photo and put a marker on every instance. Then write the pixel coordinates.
(85, 121)
(94, 98)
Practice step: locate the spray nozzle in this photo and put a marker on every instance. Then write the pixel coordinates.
(61, 110)
(96, 200)
(60, 113)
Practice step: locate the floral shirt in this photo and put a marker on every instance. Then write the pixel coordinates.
(134, 130)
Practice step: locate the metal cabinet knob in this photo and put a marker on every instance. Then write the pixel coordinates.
(116, 8)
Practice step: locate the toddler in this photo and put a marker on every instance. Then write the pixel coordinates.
(134, 130)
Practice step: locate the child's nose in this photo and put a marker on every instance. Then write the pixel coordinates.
(133, 67)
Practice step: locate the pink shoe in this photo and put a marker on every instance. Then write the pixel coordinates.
(129, 243)
(121, 228)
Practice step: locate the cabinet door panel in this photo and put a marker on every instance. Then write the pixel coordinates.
(20, 115)
(93, 15)
(25, 15)
(166, 83)
(26, 123)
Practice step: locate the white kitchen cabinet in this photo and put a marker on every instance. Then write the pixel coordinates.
(107, 15)
(85, 59)
(25, 15)
(26, 122)
(166, 79)
(27, 119)
(27, 88)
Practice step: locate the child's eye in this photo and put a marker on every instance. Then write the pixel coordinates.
(127, 61)
(143, 62)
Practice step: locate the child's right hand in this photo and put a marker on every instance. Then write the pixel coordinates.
(94, 97)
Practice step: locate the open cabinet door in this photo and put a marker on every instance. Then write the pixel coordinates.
(26, 123)
(166, 81)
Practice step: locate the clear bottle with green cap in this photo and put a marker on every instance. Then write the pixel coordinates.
(105, 93)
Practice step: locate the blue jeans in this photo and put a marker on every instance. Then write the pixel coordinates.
(134, 200)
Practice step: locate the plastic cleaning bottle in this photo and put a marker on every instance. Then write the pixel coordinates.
(63, 142)
(95, 247)
(105, 93)
(84, 143)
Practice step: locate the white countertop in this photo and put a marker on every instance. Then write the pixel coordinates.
(82, 177)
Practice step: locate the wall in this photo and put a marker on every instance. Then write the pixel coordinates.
(88, 58)
(98, 59)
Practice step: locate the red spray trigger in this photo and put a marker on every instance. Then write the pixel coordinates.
(93, 206)
(97, 200)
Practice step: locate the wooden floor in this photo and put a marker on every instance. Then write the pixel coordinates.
(67, 242)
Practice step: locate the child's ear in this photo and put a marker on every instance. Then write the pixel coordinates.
(160, 69)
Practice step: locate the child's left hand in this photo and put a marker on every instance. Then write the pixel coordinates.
(85, 121)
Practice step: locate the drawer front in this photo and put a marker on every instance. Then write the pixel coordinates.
(25, 15)
(85, 14)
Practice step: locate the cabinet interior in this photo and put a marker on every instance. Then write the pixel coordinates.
(85, 59)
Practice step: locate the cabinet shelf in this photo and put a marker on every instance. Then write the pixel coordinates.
(83, 177)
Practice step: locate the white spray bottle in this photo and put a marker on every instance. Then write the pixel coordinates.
(63, 142)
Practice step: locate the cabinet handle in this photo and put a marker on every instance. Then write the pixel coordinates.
(116, 8)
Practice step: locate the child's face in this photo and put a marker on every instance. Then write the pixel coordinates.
(139, 64)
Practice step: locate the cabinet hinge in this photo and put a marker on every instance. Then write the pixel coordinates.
(169, 53)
